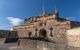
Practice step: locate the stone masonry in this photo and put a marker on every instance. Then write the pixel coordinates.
(47, 26)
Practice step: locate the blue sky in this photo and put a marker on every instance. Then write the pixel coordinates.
(12, 12)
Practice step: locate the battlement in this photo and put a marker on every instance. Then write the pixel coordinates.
(40, 18)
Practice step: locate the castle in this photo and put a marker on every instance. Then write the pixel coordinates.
(48, 27)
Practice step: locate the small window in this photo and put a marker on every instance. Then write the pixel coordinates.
(45, 23)
(40, 24)
(51, 32)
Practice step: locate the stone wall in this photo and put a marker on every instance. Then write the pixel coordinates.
(73, 48)
(41, 45)
(56, 30)
(73, 36)
(59, 30)
(44, 45)
(2, 40)
(8, 34)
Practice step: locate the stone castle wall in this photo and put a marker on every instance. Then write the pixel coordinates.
(73, 36)
(41, 45)
(8, 34)
(56, 31)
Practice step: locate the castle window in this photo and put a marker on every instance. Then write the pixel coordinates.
(29, 34)
(51, 32)
(45, 23)
(36, 32)
(40, 24)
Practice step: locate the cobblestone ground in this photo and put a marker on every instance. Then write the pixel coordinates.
(12, 46)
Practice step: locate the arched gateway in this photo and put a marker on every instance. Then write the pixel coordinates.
(43, 33)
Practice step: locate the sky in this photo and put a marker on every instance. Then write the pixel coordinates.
(13, 12)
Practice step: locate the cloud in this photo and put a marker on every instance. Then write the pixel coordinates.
(70, 18)
(73, 18)
(14, 21)
(11, 29)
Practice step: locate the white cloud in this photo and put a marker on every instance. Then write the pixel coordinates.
(70, 18)
(14, 21)
(73, 18)
(11, 29)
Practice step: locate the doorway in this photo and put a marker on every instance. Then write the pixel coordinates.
(43, 33)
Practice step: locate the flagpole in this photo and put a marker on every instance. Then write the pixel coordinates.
(43, 7)
(43, 12)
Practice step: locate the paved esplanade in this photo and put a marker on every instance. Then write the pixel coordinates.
(12, 46)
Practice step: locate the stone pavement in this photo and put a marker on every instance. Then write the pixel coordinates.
(13, 46)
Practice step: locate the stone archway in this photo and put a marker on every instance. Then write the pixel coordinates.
(43, 33)
(46, 29)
